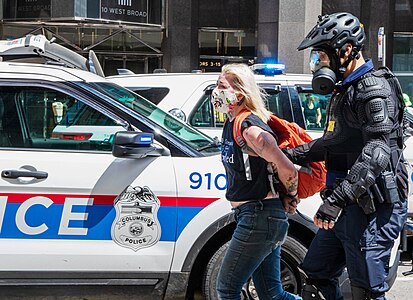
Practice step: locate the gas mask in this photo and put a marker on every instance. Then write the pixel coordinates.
(223, 99)
(325, 71)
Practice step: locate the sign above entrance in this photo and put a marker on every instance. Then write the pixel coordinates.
(147, 12)
(136, 11)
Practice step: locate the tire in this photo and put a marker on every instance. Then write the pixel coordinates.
(292, 254)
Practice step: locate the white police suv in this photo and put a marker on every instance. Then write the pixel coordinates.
(187, 96)
(100, 187)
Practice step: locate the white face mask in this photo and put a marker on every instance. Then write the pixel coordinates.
(222, 99)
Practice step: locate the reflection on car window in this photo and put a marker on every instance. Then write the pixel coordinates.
(179, 129)
(314, 108)
(39, 117)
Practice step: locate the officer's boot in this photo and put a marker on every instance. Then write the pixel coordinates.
(359, 293)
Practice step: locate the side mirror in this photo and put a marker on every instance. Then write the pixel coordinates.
(135, 145)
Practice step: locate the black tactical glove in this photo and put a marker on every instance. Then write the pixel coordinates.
(328, 211)
(334, 202)
(289, 153)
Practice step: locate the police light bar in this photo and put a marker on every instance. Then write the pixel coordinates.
(24, 45)
(31, 47)
(268, 69)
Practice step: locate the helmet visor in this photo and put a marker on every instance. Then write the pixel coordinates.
(318, 60)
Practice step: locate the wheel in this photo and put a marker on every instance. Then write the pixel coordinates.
(292, 254)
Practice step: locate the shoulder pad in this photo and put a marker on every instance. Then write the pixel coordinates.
(372, 87)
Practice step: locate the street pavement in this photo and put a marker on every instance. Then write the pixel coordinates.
(403, 286)
(402, 290)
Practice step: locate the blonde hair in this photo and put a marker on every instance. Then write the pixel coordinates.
(245, 84)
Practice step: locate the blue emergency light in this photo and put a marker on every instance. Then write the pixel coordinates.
(144, 139)
(268, 69)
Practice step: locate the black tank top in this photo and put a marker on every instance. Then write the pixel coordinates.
(239, 188)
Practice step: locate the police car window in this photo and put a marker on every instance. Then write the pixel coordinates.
(313, 107)
(205, 115)
(43, 118)
(202, 117)
(166, 121)
(273, 100)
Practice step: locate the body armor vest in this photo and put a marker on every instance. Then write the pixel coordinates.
(343, 135)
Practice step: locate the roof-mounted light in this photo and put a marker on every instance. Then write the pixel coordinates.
(268, 69)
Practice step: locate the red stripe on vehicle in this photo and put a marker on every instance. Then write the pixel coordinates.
(187, 201)
(109, 199)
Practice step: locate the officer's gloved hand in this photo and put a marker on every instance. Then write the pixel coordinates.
(329, 211)
(293, 154)
(288, 152)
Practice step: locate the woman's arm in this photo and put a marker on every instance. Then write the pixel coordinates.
(264, 145)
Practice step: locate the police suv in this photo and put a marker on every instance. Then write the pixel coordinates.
(101, 187)
(187, 97)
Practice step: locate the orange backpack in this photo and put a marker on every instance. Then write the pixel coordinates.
(311, 179)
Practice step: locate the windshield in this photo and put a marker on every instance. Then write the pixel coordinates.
(179, 129)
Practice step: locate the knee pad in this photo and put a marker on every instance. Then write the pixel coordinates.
(310, 292)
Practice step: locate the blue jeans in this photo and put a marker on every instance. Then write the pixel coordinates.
(361, 242)
(255, 250)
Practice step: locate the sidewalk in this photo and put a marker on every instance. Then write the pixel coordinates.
(403, 286)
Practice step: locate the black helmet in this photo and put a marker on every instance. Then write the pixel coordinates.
(334, 31)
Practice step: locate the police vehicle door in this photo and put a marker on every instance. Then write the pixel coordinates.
(66, 203)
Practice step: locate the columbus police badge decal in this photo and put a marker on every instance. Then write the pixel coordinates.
(136, 224)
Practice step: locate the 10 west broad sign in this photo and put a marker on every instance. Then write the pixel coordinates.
(136, 11)
(132, 11)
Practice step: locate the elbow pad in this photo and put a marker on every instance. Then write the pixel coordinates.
(373, 160)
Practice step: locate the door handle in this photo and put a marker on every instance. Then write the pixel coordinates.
(14, 174)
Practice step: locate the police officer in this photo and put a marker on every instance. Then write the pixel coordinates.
(365, 203)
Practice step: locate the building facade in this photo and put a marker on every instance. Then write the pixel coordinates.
(123, 33)
(186, 35)
(176, 35)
